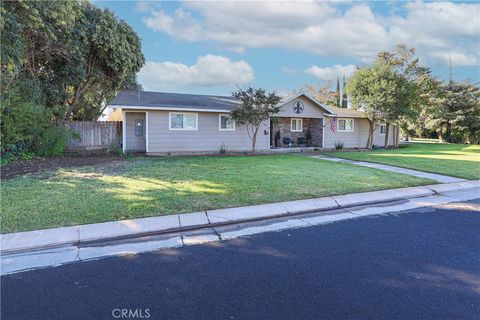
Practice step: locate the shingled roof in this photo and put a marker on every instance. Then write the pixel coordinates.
(165, 100)
(173, 101)
(344, 112)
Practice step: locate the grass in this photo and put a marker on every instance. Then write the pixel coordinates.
(143, 187)
(456, 160)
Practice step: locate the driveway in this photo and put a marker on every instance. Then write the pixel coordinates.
(420, 264)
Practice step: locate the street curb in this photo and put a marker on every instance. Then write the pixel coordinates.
(36, 240)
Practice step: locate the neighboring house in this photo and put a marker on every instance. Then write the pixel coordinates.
(162, 123)
(110, 114)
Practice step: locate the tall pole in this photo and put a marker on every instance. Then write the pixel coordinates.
(450, 68)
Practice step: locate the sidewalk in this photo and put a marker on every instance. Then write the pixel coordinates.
(420, 174)
(41, 249)
(82, 234)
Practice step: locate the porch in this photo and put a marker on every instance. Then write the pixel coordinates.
(289, 132)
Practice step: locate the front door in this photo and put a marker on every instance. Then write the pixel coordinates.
(136, 140)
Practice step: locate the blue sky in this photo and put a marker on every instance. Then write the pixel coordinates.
(215, 47)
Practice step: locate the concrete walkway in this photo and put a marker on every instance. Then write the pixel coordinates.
(433, 176)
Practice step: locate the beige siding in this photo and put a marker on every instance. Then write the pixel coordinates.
(207, 138)
(310, 110)
(379, 139)
(357, 138)
(134, 143)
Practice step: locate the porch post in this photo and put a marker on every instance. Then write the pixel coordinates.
(146, 131)
(124, 131)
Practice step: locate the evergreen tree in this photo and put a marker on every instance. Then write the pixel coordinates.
(337, 94)
(455, 116)
(344, 94)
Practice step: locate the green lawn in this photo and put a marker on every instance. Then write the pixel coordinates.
(456, 160)
(142, 187)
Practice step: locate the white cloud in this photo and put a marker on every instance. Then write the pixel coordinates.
(208, 71)
(351, 29)
(288, 70)
(331, 73)
(456, 58)
(142, 6)
(147, 6)
(440, 30)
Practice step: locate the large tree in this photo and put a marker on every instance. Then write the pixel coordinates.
(71, 52)
(419, 90)
(381, 92)
(455, 115)
(256, 108)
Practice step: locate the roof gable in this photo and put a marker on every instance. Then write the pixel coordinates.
(306, 96)
(328, 110)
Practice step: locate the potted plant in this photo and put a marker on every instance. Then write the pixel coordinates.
(308, 137)
(277, 138)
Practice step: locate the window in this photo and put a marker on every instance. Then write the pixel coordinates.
(383, 129)
(345, 125)
(226, 123)
(296, 125)
(183, 121)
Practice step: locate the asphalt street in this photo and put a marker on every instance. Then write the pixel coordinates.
(423, 264)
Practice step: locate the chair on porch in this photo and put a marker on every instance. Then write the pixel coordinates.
(300, 141)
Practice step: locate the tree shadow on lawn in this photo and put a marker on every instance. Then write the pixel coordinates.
(89, 195)
(91, 199)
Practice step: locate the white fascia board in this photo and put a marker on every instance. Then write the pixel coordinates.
(170, 109)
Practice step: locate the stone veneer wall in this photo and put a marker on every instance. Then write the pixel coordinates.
(283, 125)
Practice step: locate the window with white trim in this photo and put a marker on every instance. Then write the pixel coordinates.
(383, 128)
(296, 125)
(225, 123)
(345, 125)
(183, 121)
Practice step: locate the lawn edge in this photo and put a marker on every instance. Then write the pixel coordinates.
(19, 242)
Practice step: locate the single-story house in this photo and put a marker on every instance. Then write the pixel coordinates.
(161, 123)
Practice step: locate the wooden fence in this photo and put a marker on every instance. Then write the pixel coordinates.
(93, 135)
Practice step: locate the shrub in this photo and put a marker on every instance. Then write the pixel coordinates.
(308, 136)
(6, 158)
(223, 148)
(52, 141)
(26, 155)
(115, 148)
(339, 145)
(23, 123)
(277, 138)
